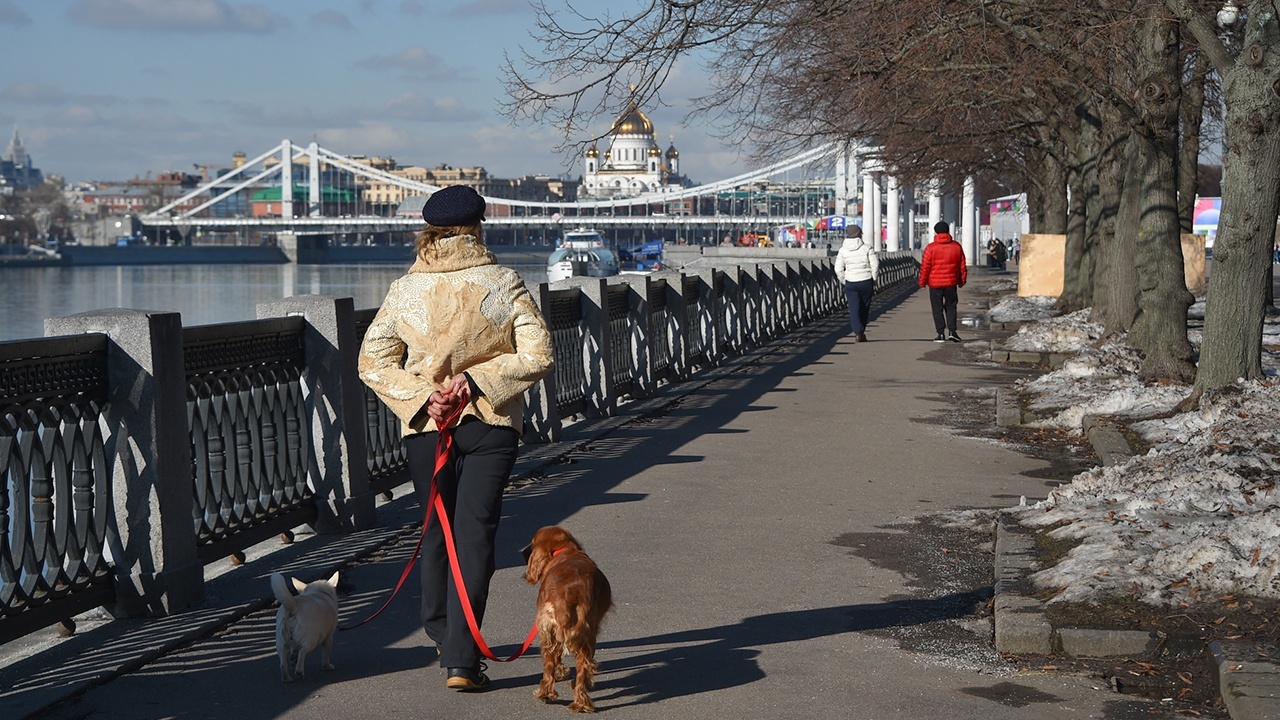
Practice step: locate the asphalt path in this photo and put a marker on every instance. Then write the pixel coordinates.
(744, 519)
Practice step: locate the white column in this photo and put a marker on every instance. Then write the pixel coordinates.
(868, 199)
(893, 216)
(313, 176)
(969, 216)
(909, 217)
(850, 208)
(935, 207)
(286, 179)
(843, 179)
(877, 213)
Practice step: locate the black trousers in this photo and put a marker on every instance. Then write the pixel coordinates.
(943, 300)
(471, 486)
(858, 294)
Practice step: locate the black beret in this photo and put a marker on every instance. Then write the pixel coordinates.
(454, 205)
(941, 228)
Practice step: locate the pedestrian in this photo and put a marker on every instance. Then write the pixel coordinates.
(1002, 254)
(1017, 249)
(857, 267)
(458, 333)
(943, 271)
(992, 262)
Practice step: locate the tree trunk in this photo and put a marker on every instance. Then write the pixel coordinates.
(1054, 172)
(1236, 304)
(1191, 112)
(1160, 329)
(1121, 275)
(1081, 249)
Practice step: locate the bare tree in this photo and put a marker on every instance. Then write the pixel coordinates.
(1243, 46)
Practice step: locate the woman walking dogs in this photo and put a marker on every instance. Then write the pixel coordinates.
(857, 267)
(943, 270)
(457, 333)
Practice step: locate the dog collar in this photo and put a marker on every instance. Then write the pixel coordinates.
(557, 551)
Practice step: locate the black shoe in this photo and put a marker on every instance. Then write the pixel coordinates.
(954, 338)
(940, 338)
(860, 338)
(466, 679)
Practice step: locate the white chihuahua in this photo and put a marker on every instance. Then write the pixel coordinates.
(307, 619)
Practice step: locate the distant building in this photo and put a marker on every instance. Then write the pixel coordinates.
(16, 170)
(633, 164)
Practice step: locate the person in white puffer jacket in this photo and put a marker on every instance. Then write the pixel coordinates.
(857, 268)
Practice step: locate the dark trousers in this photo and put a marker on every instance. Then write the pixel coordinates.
(943, 300)
(471, 486)
(859, 296)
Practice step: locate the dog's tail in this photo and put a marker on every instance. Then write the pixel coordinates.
(283, 590)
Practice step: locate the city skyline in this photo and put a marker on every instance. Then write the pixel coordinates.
(105, 90)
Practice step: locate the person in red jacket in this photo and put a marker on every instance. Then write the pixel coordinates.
(943, 270)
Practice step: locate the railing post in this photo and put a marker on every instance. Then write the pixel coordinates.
(677, 326)
(709, 316)
(153, 539)
(601, 396)
(542, 422)
(339, 465)
(638, 315)
(733, 310)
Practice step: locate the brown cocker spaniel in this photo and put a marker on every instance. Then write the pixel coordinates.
(572, 602)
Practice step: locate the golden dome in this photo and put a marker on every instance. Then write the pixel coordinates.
(632, 122)
(654, 150)
(672, 152)
(593, 151)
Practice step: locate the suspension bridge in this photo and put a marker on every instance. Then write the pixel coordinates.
(807, 190)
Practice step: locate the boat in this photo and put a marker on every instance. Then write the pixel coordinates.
(642, 258)
(582, 253)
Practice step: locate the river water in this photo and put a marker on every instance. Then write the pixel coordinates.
(203, 294)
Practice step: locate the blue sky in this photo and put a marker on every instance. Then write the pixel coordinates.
(113, 89)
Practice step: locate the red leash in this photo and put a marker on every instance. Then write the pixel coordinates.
(444, 443)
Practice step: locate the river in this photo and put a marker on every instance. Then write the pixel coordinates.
(203, 294)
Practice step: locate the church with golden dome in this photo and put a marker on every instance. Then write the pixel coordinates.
(633, 164)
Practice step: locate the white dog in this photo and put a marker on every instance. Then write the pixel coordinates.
(307, 619)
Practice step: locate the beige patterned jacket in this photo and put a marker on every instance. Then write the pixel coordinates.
(456, 311)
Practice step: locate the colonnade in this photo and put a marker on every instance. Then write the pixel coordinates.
(886, 204)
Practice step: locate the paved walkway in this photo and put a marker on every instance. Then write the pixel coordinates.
(743, 517)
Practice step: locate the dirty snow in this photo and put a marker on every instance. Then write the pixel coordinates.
(1197, 515)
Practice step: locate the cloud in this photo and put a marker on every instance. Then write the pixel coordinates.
(491, 7)
(414, 60)
(412, 8)
(296, 120)
(181, 16)
(332, 19)
(11, 14)
(368, 138)
(415, 106)
(75, 116)
(34, 93)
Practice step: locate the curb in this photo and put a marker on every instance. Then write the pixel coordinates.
(1020, 357)
(1250, 688)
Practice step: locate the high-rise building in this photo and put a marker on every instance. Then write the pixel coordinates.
(16, 169)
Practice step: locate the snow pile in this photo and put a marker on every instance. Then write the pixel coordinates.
(1012, 308)
(1064, 334)
(1198, 516)
(1099, 381)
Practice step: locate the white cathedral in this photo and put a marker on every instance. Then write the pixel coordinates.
(633, 164)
